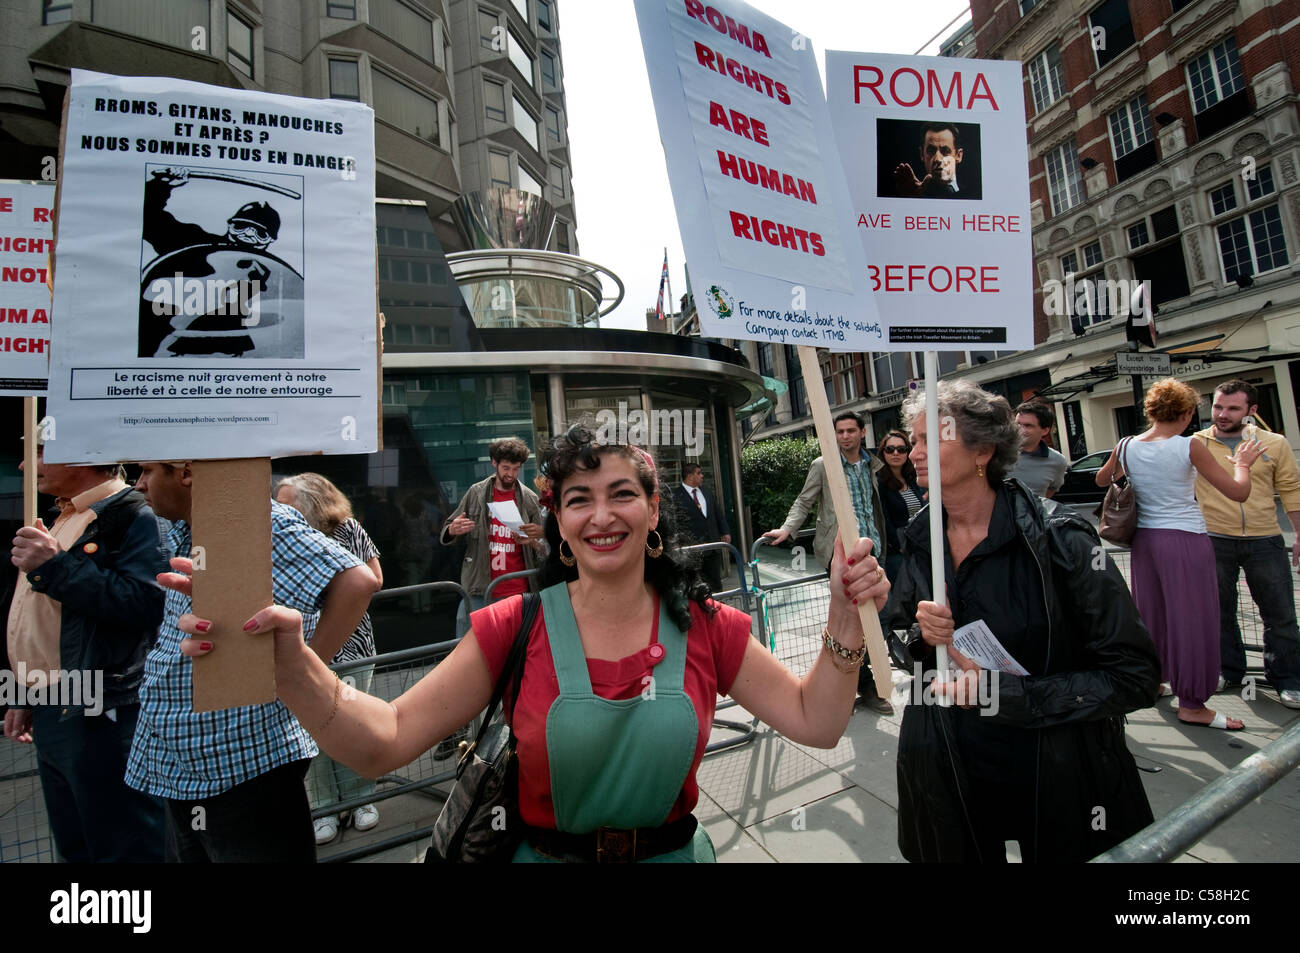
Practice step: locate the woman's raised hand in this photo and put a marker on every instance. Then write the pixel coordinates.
(201, 638)
(1248, 451)
(857, 578)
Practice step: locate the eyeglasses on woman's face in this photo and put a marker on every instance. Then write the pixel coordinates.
(898, 448)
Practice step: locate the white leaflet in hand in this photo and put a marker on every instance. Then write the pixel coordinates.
(507, 513)
(978, 643)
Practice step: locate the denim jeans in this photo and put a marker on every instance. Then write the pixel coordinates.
(462, 614)
(1268, 575)
(265, 820)
(94, 816)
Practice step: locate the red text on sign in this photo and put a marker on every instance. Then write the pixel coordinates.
(758, 82)
(906, 87)
(937, 278)
(990, 223)
(775, 233)
(23, 345)
(774, 179)
(6, 205)
(728, 27)
(40, 215)
(739, 123)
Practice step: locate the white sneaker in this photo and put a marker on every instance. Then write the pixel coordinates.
(365, 817)
(327, 828)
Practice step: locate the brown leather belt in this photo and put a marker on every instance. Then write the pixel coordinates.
(611, 845)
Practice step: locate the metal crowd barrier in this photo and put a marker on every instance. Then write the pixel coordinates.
(1223, 797)
(792, 609)
(24, 829)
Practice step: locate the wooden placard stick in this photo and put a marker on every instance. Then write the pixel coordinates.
(844, 515)
(231, 526)
(30, 429)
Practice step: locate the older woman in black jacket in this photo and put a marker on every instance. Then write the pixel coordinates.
(1037, 758)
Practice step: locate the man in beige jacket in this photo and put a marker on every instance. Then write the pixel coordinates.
(1247, 536)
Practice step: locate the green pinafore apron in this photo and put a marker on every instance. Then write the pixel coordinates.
(617, 762)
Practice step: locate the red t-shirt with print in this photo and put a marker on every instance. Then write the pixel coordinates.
(504, 552)
(715, 647)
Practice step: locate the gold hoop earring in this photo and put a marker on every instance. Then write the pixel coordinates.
(979, 470)
(569, 560)
(658, 549)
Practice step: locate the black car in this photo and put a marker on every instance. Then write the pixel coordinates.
(1081, 480)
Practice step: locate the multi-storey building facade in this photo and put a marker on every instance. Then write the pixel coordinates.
(1162, 148)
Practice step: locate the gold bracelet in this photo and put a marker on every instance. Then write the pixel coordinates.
(338, 694)
(853, 658)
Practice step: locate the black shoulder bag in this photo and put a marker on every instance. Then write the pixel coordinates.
(480, 822)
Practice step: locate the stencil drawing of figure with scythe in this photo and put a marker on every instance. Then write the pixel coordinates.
(203, 293)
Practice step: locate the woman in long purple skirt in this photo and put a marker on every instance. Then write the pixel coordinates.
(1172, 570)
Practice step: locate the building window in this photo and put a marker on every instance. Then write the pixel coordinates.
(557, 181)
(1130, 126)
(522, 7)
(1070, 264)
(846, 376)
(1064, 180)
(525, 124)
(519, 56)
(239, 45)
(1253, 243)
(1046, 81)
(499, 168)
(798, 390)
(544, 21)
(1215, 75)
(490, 32)
(345, 82)
(527, 183)
(550, 76)
(890, 370)
(553, 125)
(1218, 84)
(403, 26)
(1092, 254)
(56, 11)
(494, 99)
(341, 9)
(403, 107)
(165, 21)
(1138, 235)
(1027, 5)
(562, 237)
(1112, 30)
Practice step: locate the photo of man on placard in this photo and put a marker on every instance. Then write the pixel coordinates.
(939, 159)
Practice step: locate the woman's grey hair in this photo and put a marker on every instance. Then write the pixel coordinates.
(982, 420)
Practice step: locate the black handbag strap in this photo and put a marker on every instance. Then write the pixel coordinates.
(1122, 456)
(514, 667)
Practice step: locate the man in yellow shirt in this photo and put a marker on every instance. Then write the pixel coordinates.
(1247, 536)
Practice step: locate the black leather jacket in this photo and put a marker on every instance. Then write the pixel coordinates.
(111, 602)
(1098, 664)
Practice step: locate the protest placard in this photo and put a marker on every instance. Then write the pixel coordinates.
(215, 274)
(761, 200)
(26, 241)
(934, 150)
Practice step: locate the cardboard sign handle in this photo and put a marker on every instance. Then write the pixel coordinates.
(843, 504)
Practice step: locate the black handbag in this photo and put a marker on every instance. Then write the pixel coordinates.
(1119, 510)
(480, 822)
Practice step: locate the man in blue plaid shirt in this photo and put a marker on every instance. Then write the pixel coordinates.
(232, 780)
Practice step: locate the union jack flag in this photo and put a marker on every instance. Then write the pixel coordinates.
(663, 280)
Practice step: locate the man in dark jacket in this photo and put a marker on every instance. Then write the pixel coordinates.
(702, 520)
(1058, 732)
(84, 615)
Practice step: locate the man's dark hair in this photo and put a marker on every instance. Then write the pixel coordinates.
(508, 450)
(1039, 410)
(690, 469)
(940, 127)
(1238, 386)
(850, 415)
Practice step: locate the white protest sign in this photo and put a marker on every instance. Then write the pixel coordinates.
(215, 274)
(934, 149)
(26, 240)
(761, 200)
